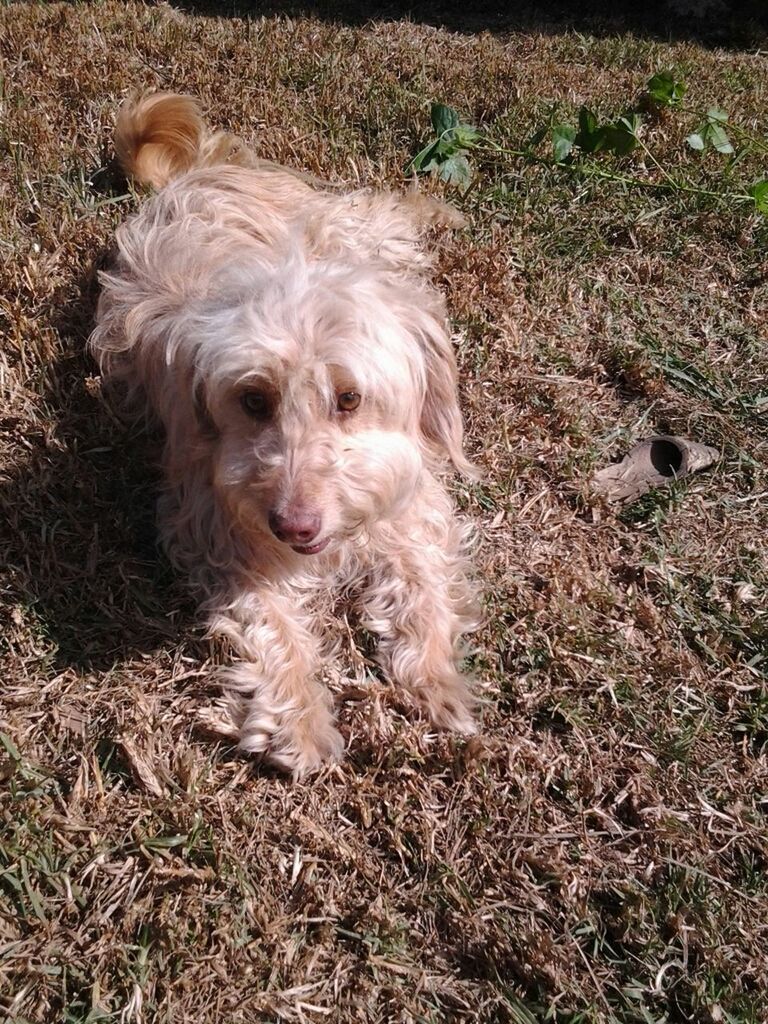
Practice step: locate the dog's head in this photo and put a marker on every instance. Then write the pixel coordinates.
(317, 389)
(325, 393)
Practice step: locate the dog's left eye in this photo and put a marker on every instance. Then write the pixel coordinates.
(256, 404)
(347, 401)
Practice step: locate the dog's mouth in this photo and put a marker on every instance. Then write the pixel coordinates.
(312, 549)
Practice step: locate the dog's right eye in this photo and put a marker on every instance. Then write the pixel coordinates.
(347, 401)
(256, 405)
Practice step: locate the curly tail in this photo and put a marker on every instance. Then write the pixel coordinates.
(162, 135)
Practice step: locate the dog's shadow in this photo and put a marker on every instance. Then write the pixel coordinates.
(85, 584)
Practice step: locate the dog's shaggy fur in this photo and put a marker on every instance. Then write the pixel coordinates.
(288, 341)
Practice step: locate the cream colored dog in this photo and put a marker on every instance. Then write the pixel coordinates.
(289, 343)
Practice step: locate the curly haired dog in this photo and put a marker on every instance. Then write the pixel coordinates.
(289, 343)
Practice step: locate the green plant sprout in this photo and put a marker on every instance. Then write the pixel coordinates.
(575, 148)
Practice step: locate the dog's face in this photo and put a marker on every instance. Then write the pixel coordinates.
(323, 390)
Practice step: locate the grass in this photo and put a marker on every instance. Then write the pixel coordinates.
(599, 853)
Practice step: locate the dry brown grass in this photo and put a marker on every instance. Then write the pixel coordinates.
(599, 854)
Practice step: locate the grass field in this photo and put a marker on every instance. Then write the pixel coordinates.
(599, 852)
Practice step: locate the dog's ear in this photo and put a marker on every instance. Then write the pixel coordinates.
(132, 342)
(440, 420)
(208, 429)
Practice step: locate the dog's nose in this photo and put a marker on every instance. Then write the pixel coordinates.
(295, 525)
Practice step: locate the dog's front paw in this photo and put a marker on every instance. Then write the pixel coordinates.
(304, 743)
(448, 707)
(296, 740)
(292, 728)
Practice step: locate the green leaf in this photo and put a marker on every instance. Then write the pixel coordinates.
(618, 141)
(665, 89)
(631, 123)
(519, 1011)
(445, 146)
(537, 137)
(446, 153)
(621, 137)
(563, 137)
(422, 158)
(591, 136)
(440, 153)
(759, 192)
(443, 118)
(587, 121)
(712, 133)
(10, 746)
(719, 138)
(164, 842)
(465, 136)
(456, 170)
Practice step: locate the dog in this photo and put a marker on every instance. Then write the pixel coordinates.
(289, 343)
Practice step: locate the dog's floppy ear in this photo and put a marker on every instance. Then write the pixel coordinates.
(208, 429)
(440, 420)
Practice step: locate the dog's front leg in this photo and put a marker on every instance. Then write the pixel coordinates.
(419, 603)
(281, 708)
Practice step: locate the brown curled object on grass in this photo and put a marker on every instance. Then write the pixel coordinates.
(655, 462)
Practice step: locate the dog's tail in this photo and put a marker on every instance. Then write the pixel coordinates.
(162, 135)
